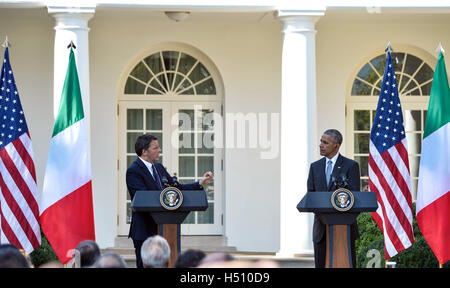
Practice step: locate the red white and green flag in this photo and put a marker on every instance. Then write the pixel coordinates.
(433, 193)
(67, 215)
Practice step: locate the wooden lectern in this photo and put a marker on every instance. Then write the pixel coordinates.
(169, 221)
(338, 253)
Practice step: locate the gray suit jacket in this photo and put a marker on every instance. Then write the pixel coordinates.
(317, 182)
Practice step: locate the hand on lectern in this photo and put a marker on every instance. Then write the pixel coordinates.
(207, 177)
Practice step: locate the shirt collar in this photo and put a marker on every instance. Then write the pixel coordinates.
(334, 159)
(148, 164)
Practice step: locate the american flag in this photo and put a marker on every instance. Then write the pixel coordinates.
(389, 175)
(19, 212)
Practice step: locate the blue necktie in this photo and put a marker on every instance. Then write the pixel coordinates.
(328, 172)
(156, 176)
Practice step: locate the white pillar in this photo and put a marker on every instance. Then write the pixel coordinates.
(71, 25)
(298, 127)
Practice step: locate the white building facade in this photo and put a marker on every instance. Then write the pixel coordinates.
(246, 89)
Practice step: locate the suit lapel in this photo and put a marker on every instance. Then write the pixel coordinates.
(148, 178)
(321, 174)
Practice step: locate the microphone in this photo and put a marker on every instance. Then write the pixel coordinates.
(165, 182)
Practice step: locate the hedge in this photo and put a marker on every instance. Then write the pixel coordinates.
(419, 255)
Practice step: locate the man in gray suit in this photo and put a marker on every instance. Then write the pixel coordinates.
(321, 175)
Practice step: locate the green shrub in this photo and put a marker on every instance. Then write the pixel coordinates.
(43, 254)
(419, 255)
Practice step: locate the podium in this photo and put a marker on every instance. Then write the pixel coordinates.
(168, 219)
(338, 218)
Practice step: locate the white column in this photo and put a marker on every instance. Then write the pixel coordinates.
(298, 127)
(71, 25)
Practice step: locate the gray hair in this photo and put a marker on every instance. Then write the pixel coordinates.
(335, 135)
(155, 252)
(110, 260)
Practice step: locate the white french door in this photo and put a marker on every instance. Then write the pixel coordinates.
(186, 132)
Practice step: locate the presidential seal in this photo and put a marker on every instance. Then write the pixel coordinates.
(171, 198)
(342, 199)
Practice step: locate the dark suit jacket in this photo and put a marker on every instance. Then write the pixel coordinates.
(139, 178)
(317, 182)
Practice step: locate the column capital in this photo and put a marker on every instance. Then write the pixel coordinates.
(70, 18)
(299, 21)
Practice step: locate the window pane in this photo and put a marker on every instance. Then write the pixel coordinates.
(207, 216)
(135, 119)
(186, 63)
(379, 63)
(184, 85)
(170, 59)
(154, 63)
(207, 87)
(397, 60)
(368, 74)
(153, 119)
(405, 80)
(198, 73)
(186, 120)
(205, 120)
(141, 72)
(186, 143)
(134, 87)
(412, 63)
(188, 92)
(363, 165)
(412, 120)
(160, 141)
(155, 84)
(186, 166)
(414, 143)
(205, 164)
(426, 89)
(131, 140)
(362, 120)
(425, 73)
(362, 141)
(190, 219)
(128, 212)
(360, 88)
(205, 143)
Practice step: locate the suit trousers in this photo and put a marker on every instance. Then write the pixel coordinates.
(137, 249)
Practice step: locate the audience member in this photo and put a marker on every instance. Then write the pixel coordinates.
(190, 258)
(155, 252)
(110, 260)
(11, 257)
(89, 252)
(216, 258)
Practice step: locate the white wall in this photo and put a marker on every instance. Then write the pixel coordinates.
(346, 41)
(30, 32)
(247, 55)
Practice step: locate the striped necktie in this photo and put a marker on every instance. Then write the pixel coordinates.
(328, 172)
(156, 177)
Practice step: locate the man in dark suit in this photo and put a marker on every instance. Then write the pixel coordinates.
(145, 173)
(321, 175)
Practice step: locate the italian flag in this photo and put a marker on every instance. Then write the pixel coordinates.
(433, 192)
(67, 216)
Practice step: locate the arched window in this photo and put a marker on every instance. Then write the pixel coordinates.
(170, 72)
(414, 75)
